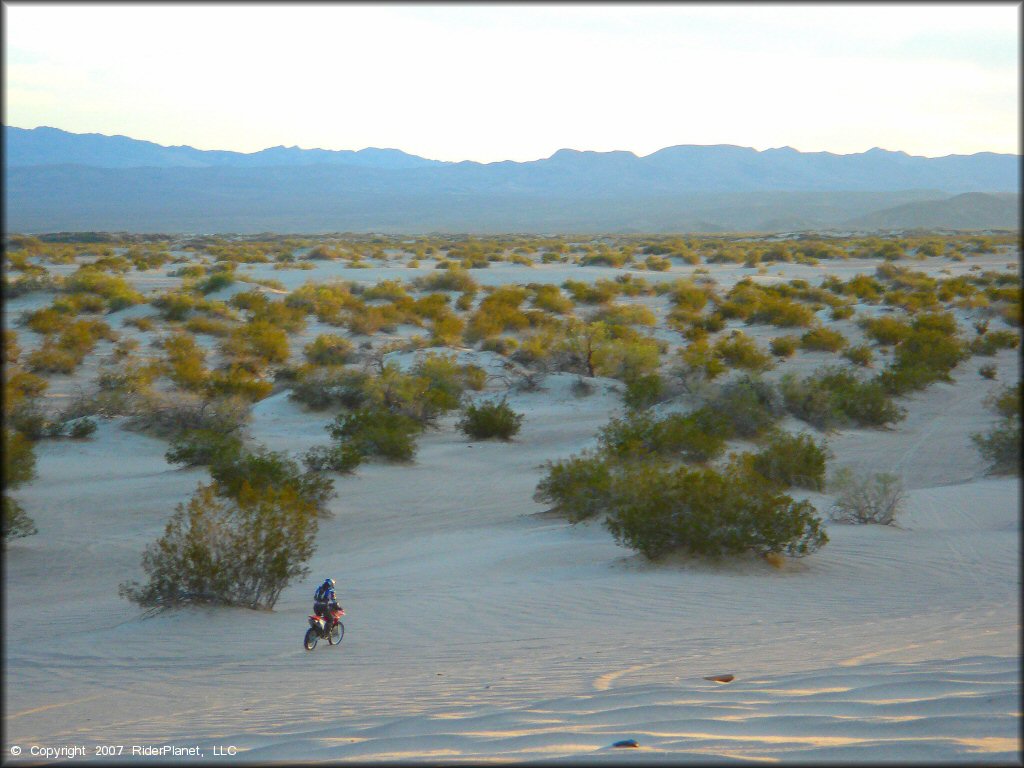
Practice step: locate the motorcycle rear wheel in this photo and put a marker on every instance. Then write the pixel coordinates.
(309, 642)
(337, 632)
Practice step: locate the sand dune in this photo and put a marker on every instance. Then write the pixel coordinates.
(479, 629)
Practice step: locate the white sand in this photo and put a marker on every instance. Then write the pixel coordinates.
(480, 630)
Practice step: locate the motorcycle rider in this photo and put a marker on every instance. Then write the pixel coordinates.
(325, 601)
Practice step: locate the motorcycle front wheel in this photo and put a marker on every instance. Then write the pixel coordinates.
(337, 632)
(309, 643)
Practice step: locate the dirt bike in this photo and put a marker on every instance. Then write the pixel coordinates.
(318, 629)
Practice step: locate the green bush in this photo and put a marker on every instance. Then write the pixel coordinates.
(696, 436)
(740, 351)
(80, 429)
(200, 447)
(263, 470)
(237, 381)
(1000, 446)
(240, 551)
(925, 356)
(577, 487)
(791, 460)
(377, 432)
(333, 458)
(643, 391)
(329, 349)
(16, 522)
(823, 340)
(784, 346)
(321, 388)
(490, 419)
(859, 355)
(747, 405)
(885, 330)
(992, 342)
(657, 510)
(834, 397)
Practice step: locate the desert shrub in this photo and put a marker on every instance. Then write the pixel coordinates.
(21, 385)
(992, 342)
(748, 405)
(988, 371)
(626, 356)
(185, 361)
(657, 510)
(474, 377)
(943, 322)
(50, 358)
(175, 305)
(456, 279)
(115, 290)
(625, 314)
(833, 397)
(823, 340)
(377, 432)
(780, 311)
(144, 323)
(599, 292)
(80, 429)
(740, 351)
(498, 312)
(791, 460)
(865, 498)
(885, 330)
(696, 436)
(1000, 446)
(643, 391)
(551, 299)
(490, 419)
(444, 379)
(925, 356)
(200, 447)
(16, 521)
(320, 388)
(860, 354)
(333, 458)
(216, 281)
(841, 312)
(208, 325)
(237, 381)
(169, 416)
(447, 330)
(263, 470)
(260, 339)
(699, 359)
(329, 349)
(239, 551)
(577, 487)
(784, 346)
(19, 467)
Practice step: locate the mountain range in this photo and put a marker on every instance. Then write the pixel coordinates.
(55, 180)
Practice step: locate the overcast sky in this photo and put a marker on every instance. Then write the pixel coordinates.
(517, 82)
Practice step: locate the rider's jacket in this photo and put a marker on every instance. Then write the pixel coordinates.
(324, 594)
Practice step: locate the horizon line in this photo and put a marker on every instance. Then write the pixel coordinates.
(492, 162)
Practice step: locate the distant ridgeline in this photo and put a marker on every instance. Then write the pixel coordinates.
(55, 180)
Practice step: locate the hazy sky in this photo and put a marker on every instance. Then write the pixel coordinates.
(517, 82)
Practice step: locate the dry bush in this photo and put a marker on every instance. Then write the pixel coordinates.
(164, 416)
(866, 498)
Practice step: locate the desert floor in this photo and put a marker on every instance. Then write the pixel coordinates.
(479, 628)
